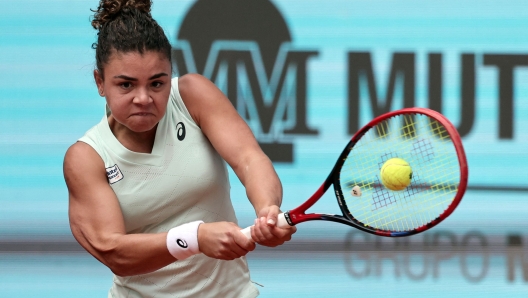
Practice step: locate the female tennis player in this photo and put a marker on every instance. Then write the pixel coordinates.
(148, 186)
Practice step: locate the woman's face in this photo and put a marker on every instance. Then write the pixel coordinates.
(137, 88)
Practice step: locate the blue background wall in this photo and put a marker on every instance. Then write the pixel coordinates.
(48, 100)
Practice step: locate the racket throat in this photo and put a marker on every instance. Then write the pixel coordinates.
(294, 217)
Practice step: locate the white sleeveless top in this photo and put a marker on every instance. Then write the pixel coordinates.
(184, 179)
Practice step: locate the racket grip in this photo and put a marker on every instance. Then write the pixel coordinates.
(281, 223)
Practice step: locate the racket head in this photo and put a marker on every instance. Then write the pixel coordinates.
(432, 147)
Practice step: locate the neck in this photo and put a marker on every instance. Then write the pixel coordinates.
(141, 142)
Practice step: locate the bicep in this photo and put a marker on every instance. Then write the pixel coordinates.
(94, 212)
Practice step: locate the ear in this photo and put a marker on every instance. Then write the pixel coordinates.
(99, 81)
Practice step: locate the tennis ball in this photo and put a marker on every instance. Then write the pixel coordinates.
(396, 174)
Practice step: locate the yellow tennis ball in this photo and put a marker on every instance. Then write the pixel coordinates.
(396, 174)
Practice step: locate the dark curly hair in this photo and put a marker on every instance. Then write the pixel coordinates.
(126, 26)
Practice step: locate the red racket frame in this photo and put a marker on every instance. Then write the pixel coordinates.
(298, 214)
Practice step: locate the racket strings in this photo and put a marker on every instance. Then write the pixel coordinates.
(409, 132)
(429, 205)
(426, 145)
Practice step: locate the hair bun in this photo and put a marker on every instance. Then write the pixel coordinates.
(109, 9)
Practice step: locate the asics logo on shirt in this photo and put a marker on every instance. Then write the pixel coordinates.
(180, 131)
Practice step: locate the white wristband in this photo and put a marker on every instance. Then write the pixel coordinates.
(182, 241)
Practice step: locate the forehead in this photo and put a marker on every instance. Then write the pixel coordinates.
(135, 62)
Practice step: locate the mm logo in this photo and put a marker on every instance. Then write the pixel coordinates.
(245, 48)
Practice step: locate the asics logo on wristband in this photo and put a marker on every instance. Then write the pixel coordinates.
(181, 243)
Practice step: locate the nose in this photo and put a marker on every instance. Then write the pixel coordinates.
(142, 96)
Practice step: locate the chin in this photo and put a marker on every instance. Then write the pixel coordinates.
(142, 126)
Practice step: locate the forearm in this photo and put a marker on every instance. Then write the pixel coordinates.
(134, 254)
(264, 190)
(262, 184)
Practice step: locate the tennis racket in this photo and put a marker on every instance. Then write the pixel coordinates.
(431, 146)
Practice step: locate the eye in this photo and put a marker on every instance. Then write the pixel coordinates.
(157, 84)
(126, 85)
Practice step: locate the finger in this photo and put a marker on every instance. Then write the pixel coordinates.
(243, 242)
(265, 229)
(224, 252)
(252, 246)
(262, 234)
(241, 245)
(256, 232)
(282, 234)
(227, 255)
(273, 212)
(238, 251)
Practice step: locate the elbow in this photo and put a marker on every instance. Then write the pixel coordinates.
(118, 266)
(121, 271)
(108, 251)
(115, 261)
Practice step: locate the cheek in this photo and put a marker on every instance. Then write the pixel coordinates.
(161, 100)
(117, 106)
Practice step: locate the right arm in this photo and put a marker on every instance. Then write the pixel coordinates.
(97, 223)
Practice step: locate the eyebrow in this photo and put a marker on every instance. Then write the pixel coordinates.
(161, 74)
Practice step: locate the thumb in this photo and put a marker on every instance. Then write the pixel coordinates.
(244, 242)
(273, 213)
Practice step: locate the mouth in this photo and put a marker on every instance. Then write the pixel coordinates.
(142, 114)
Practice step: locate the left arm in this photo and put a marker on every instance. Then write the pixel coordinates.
(234, 141)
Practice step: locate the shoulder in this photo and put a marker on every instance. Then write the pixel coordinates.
(81, 158)
(201, 96)
(191, 84)
(81, 149)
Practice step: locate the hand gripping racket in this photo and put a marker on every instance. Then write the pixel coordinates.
(431, 146)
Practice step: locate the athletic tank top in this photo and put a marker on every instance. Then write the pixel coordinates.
(183, 179)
